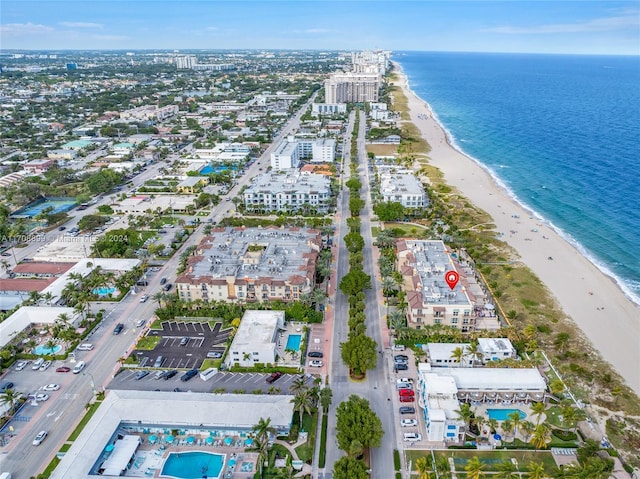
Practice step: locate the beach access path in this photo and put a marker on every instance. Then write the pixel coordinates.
(593, 300)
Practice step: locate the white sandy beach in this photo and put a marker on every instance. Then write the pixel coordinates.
(592, 299)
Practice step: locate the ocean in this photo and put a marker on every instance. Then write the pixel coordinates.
(560, 132)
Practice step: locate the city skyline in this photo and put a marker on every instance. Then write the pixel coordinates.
(579, 27)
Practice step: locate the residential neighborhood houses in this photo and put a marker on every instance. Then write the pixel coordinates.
(241, 254)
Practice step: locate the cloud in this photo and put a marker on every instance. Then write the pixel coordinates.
(81, 25)
(595, 25)
(211, 29)
(313, 31)
(109, 38)
(20, 29)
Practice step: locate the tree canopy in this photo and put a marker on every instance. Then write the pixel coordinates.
(355, 421)
(349, 468)
(359, 352)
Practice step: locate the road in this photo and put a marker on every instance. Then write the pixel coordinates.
(63, 410)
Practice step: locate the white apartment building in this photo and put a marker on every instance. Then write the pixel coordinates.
(288, 190)
(439, 402)
(255, 340)
(423, 264)
(495, 349)
(291, 150)
(401, 186)
(150, 112)
(328, 108)
(352, 87)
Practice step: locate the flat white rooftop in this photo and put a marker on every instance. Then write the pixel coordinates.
(257, 328)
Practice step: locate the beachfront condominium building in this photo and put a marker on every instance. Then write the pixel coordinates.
(442, 389)
(288, 190)
(352, 87)
(489, 349)
(328, 109)
(368, 61)
(256, 339)
(401, 186)
(251, 264)
(423, 264)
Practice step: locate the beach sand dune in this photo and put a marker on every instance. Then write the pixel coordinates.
(592, 299)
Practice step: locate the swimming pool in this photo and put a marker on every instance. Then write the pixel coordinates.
(210, 169)
(193, 465)
(104, 291)
(502, 414)
(42, 349)
(293, 342)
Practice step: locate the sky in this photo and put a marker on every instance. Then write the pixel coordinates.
(515, 26)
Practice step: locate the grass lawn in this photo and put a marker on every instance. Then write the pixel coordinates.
(383, 150)
(408, 228)
(148, 343)
(305, 451)
(490, 458)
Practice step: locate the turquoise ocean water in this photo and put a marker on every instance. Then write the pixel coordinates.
(560, 132)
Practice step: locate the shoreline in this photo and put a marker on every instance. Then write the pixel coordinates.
(593, 300)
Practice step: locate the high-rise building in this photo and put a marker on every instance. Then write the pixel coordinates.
(352, 88)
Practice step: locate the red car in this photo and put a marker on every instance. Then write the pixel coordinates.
(63, 369)
(405, 392)
(274, 377)
(406, 398)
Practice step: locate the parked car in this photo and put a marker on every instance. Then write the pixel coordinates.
(45, 365)
(184, 341)
(401, 367)
(406, 392)
(5, 385)
(404, 381)
(51, 387)
(412, 436)
(407, 398)
(37, 363)
(398, 347)
(402, 386)
(214, 354)
(315, 354)
(401, 357)
(408, 423)
(42, 435)
(170, 374)
(118, 329)
(407, 410)
(191, 373)
(63, 369)
(315, 363)
(273, 377)
(141, 374)
(159, 374)
(20, 365)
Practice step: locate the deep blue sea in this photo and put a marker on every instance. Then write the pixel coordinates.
(560, 132)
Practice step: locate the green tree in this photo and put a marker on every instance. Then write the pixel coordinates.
(506, 470)
(475, 468)
(423, 468)
(356, 421)
(354, 282)
(540, 436)
(349, 468)
(538, 409)
(263, 429)
(359, 353)
(458, 355)
(11, 397)
(515, 420)
(389, 211)
(303, 402)
(326, 396)
(535, 470)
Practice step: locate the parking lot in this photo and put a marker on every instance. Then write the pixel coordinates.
(222, 382)
(200, 337)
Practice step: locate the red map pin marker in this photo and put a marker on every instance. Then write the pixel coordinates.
(452, 278)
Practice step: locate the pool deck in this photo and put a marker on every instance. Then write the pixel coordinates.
(150, 458)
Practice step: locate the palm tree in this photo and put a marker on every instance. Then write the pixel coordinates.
(465, 413)
(526, 429)
(536, 470)
(540, 435)
(263, 430)
(262, 448)
(388, 286)
(515, 420)
(34, 297)
(48, 297)
(538, 409)
(298, 384)
(10, 397)
(302, 401)
(506, 470)
(286, 473)
(493, 424)
(458, 355)
(475, 468)
(326, 395)
(480, 421)
(422, 465)
(397, 319)
(507, 427)
(474, 353)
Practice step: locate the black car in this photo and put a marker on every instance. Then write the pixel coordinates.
(167, 286)
(315, 354)
(163, 280)
(6, 385)
(401, 367)
(169, 374)
(189, 374)
(400, 357)
(118, 329)
(274, 377)
(407, 410)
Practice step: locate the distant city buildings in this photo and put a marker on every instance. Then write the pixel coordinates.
(150, 112)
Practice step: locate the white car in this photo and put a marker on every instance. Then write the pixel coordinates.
(42, 397)
(45, 365)
(315, 363)
(404, 386)
(408, 423)
(39, 438)
(51, 387)
(144, 297)
(404, 381)
(20, 365)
